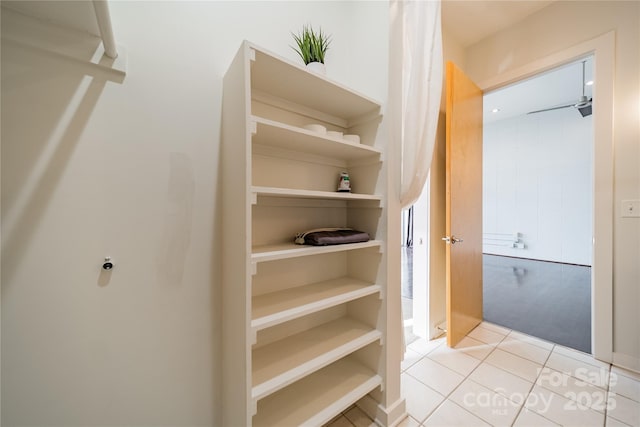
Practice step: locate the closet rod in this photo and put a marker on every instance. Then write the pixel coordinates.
(103, 17)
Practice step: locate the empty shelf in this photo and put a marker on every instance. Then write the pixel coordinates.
(291, 250)
(316, 399)
(280, 363)
(275, 134)
(311, 194)
(277, 307)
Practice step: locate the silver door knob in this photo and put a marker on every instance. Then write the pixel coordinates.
(452, 240)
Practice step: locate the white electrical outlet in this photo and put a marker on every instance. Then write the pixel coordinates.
(631, 208)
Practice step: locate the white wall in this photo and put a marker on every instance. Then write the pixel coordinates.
(557, 27)
(537, 181)
(93, 165)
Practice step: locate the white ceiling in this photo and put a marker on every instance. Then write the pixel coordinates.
(561, 86)
(470, 21)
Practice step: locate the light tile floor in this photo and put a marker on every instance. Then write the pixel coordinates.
(499, 377)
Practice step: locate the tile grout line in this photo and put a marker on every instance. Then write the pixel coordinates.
(467, 378)
(524, 403)
(446, 397)
(531, 344)
(534, 340)
(606, 389)
(506, 397)
(497, 367)
(617, 394)
(508, 337)
(471, 372)
(607, 393)
(430, 388)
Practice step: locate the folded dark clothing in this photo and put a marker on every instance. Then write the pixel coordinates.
(331, 236)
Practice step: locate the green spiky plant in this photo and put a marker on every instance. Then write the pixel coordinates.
(312, 45)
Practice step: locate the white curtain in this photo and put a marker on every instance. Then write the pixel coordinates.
(415, 88)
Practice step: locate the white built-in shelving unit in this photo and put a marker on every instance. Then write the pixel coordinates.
(304, 326)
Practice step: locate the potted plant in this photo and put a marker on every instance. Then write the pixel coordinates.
(312, 47)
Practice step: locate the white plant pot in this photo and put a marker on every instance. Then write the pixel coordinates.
(317, 67)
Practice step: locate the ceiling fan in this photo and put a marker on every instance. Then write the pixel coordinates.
(583, 105)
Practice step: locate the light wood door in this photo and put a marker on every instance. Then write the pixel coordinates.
(463, 204)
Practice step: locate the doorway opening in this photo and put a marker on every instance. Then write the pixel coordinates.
(407, 275)
(538, 143)
(602, 48)
(415, 268)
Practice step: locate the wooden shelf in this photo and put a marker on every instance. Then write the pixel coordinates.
(316, 399)
(275, 134)
(281, 363)
(311, 194)
(278, 307)
(284, 79)
(291, 250)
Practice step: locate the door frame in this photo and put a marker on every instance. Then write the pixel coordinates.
(603, 50)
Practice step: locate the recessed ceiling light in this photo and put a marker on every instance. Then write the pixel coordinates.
(495, 110)
(589, 83)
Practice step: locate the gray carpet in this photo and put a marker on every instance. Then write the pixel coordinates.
(548, 300)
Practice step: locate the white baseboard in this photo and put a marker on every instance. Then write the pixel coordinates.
(626, 361)
(388, 417)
